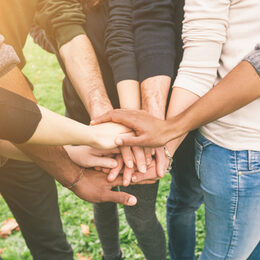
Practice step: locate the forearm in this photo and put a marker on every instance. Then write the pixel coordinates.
(180, 100)
(83, 69)
(54, 129)
(54, 159)
(240, 87)
(129, 94)
(154, 92)
(8, 150)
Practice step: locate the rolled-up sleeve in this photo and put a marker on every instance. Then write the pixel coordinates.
(61, 19)
(8, 57)
(119, 40)
(204, 32)
(19, 117)
(254, 58)
(154, 37)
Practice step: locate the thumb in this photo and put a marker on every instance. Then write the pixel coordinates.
(121, 198)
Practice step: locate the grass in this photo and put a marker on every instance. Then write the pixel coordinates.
(44, 72)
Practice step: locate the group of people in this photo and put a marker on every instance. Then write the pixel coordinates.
(127, 54)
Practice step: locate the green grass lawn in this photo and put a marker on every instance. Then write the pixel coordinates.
(44, 72)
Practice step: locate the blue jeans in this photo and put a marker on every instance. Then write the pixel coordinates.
(184, 199)
(230, 181)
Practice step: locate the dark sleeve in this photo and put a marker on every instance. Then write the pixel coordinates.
(119, 40)
(254, 58)
(19, 117)
(154, 37)
(39, 37)
(62, 20)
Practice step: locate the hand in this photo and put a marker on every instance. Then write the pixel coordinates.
(125, 164)
(94, 187)
(104, 135)
(121, 169)
(150, 131)
(87, 156)
(149, 177)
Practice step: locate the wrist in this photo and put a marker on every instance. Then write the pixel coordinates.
(99, 108)
(76, 180)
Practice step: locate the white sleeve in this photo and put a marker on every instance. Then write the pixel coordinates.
(204, 32)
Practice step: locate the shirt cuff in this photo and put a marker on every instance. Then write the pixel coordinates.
(161, 64)
(254, 58)
(66, 33)
(190, 84)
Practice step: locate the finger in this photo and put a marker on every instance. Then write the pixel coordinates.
(146, 182)
(124, 117)
(108, 151)
(115, 171)
(150, 175)
(148, 155)
(127, 176)
(105, 162)
(120, 197)
(131, 140)
(127, 155)
(97, 168)
(105, 170)
(140, 159)
(161, 162)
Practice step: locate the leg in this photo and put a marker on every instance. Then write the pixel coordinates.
(107, 224)
(184, 199)
(32, 197)
(231, 186)
(142, 219)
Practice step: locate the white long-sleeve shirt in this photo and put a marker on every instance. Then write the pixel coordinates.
(217, 34)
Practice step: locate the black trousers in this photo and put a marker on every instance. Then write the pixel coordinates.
(31, 195)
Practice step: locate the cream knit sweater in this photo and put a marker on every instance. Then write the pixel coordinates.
(217, 34)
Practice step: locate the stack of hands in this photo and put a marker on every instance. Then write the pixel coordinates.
(120, 153)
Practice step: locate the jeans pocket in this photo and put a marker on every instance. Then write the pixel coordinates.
(253, 163)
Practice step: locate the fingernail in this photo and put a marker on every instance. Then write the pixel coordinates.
(126, 182)
(153, 152)
(111, 176)
(92, 121)
(148, 161)
(130, 164)
(132, 201)
(143, 169)
(114, 164)
(119, 141)
(161, 173)
(134, 179)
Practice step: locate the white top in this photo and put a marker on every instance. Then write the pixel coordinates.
(217, 34)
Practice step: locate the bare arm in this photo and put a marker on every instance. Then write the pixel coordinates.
(240, 87)
(83, 69)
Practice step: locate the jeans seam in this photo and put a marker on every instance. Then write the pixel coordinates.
(231, 243)
(198, 162)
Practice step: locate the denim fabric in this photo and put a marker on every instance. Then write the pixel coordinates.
(184, 199)
(254, 58)
(230, 181)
